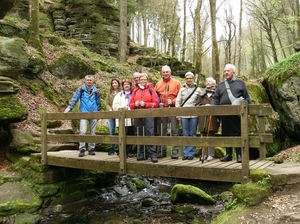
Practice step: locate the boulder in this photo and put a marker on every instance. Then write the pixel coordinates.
(181, 193)
(13, 57)
(283, 87)
(17, 198)
(12, 109)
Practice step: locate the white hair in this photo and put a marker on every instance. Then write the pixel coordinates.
(230, 66)
(166, 67)
(211, 80)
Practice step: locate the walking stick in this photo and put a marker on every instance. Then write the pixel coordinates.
(207, 134)
(144, 145)
(161, 134)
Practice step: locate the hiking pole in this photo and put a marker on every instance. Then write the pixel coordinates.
(144, 145)
(161, 134)
(204, 127)
(207, 134)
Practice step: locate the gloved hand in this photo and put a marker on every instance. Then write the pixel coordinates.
(142, 103)
(169, 101)
(137, 103)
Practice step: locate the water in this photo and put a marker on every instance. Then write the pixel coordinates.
(150, 205)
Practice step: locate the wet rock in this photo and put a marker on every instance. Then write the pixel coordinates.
(121, 190)
(28, 219)
(148, 202)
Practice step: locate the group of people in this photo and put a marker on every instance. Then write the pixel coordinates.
(168, 92)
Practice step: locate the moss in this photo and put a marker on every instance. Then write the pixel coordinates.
(140, 184)
(68, 198)
(289, 66)
(230, 216)
(251, 193)
(258, 93)
(181, 193)
(12, 108)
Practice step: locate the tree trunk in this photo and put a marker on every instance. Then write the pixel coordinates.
(240, 39)
(198, 66)
(215, 51)
(123, 31)
(34, 32)
(184, 32)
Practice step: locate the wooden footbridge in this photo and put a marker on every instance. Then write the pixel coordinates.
(166, 167)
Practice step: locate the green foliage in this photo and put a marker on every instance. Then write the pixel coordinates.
(265, 181)
(33, 88)
(296, 157)
(49, 94)
(231, 204)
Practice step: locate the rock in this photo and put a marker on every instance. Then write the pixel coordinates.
(12, 110)
(17, 198)
(14, 58)
(186, 193)
(283, 86)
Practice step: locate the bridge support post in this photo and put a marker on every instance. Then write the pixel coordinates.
(122, 141)
(44, 160)
(245, 141)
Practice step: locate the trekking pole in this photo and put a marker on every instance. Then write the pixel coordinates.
(144, 145)
(207, 134)
(161, 134)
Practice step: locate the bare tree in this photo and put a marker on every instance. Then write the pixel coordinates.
(215, 50)
(123, 32)
(184, 32)
(34, 32)
(240, 38)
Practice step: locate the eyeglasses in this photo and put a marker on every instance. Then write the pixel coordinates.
(189, 78)
(143, 79)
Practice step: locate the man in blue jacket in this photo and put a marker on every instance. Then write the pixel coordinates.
(89, 102)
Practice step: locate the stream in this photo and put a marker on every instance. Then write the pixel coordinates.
(120, 204)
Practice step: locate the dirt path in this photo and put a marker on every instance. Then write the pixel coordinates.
(282, 207)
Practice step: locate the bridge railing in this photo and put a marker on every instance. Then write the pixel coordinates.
(245, 141)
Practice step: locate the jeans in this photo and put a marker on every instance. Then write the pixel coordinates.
(112, 129)
(189, 128)
(82, 131)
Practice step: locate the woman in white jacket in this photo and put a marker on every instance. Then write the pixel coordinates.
(186, 97)
(122, 100)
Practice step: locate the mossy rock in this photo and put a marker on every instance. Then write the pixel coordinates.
(140, 184)
(12, 109)
(251, 193)
(181, 193)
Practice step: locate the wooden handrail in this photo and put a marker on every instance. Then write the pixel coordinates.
(245, 141)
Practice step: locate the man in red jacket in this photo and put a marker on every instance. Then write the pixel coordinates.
(167, 90)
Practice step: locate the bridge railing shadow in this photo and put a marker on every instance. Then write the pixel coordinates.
(245, 141)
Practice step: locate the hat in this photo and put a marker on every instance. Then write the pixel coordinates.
(189, 73)
(211, 80)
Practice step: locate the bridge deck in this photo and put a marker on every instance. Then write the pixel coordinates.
(166, 167)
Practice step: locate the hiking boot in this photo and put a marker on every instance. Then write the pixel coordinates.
(92, 152)
(111, 152)
(154, 159)
(81, 154)
(209, 158)
(141, 157)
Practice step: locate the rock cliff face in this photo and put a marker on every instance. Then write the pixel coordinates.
(95, 25)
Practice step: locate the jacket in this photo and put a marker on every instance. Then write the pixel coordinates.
(168, 88)
(109, 100)
(89, 102)
(205, 98)
(143, 94)
(184, 93)
(120, 101)
(238, 89)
